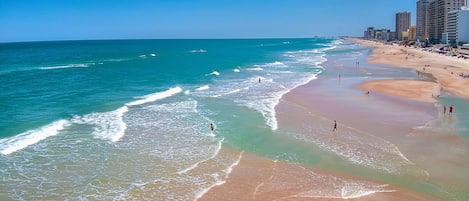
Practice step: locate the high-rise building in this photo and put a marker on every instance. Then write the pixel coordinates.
(422, 19)
(369, 33)
(412, 33)
(458, 26)
(402, 23)
(438, 17)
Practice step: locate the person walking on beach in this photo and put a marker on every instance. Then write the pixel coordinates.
(335, 126)
(450, 110)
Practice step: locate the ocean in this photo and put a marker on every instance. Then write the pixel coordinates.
(100, 119)
(130, 119)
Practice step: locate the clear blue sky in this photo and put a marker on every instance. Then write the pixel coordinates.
(35, 20)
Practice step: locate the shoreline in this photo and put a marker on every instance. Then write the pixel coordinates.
(310, 103)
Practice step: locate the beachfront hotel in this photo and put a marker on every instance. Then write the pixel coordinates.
(458, 26)
(403, 20)
(438, 18)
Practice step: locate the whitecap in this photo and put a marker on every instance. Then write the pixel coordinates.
(277, 64)
(230, 92)
(198, 51)
(216, 73)
(236, 70)
(202, 88)
(255, 69)
(23, 140)
(156, 96)
(66, 66)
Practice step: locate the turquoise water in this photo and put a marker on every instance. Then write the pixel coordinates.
(101, 119)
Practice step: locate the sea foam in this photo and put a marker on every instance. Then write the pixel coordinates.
(203, 88)
(107, 125)
(216, 73)
(23, 140)
(156, 96)
(66, 66)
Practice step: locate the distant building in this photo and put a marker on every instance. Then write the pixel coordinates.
(405, 36)
(369, 33)
(385, 34)
(403, 20)
(438, 17)
(393, 36)
(458, 26)
(422, 20)
(377, 34)
(412, 33)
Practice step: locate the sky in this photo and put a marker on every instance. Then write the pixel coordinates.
(44, 20)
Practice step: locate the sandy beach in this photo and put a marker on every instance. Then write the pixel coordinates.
(389, 124)
(412, 89)
(445, 69)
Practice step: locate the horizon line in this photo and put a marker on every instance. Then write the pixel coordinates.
(195, 38)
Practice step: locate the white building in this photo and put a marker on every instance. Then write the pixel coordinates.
(438, 17)
(458, 26)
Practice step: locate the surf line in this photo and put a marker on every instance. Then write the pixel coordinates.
(156, 96)
(31, 137)
(114, 126)
(227, 171)
(23, 140)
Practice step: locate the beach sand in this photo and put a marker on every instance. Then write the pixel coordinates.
(396, 122)
(445, 69)
(412, 89)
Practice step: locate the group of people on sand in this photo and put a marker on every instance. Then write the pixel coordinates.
(464, 76)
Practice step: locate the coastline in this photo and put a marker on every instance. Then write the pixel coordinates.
(259, 178)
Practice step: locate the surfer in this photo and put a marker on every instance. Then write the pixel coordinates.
(259, 80)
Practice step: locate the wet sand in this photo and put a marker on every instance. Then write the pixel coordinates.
(258, 178)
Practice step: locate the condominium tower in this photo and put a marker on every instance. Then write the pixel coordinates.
(422, 19)
(403, 21)
(458, 26)
(437, 18)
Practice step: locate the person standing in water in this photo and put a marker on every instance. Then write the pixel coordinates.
(212, 127)
(444, 109)
(335, 126)
(450, 110)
